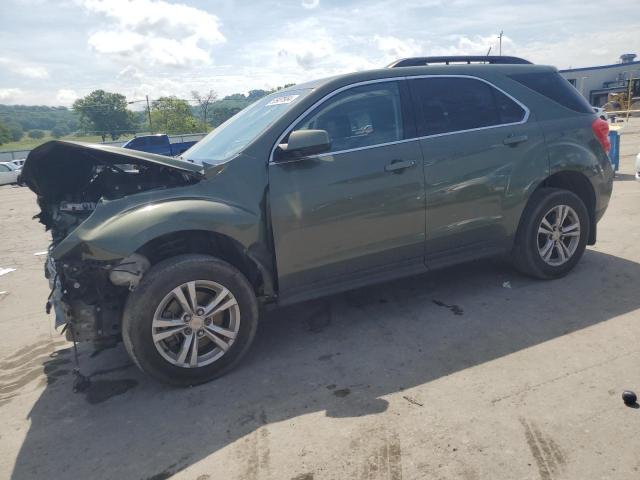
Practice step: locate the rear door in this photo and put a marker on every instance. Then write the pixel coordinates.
(481, 151)
(356, 212)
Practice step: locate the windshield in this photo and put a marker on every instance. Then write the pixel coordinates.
(237, 132)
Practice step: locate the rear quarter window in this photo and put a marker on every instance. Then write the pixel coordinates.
(555, 87)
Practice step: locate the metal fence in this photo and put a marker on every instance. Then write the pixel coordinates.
(21, 154)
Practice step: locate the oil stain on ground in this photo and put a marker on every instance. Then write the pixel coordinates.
(171, 470)
(454, 308)
(343, 392)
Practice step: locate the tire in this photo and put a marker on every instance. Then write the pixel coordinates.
(152, 305)
(530, 245)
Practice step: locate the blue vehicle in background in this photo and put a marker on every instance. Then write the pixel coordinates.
(159, 144)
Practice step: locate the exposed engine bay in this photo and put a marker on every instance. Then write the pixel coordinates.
(71, 180)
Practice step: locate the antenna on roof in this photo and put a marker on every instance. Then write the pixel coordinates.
(489, 51)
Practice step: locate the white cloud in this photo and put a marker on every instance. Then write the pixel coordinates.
(130, 73)
(310, 4)
(66, 96)
(32, 71)
(11, 95)
(396, 48)
(154, 32)
(24, 69)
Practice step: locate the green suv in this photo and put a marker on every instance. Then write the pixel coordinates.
(313, 190)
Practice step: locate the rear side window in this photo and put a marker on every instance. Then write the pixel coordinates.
(450, 104)
(155, 141)
(554, 86)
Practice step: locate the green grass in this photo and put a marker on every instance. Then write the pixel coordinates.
(27, 143)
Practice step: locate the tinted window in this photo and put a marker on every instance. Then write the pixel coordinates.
(508, 110)
(553, 85)
(137, 142)
(157, 141)
(452, 104)
(359, 117)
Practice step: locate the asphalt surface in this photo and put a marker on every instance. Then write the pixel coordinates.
(473, 372)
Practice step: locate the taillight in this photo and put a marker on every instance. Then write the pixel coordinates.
(601, 130)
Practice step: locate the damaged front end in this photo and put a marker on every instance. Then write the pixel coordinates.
(74, 182)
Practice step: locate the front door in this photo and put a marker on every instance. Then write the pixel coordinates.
(357, 211)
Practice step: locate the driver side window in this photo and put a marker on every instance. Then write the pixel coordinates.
(359, 117)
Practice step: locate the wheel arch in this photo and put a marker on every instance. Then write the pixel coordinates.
(579, 184)
(213, 243)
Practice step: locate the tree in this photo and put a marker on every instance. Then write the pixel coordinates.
(219, 115)
(173, 115)
(107, 113)
(15, 131)
(5, 134)
(36, 134)
(59, 131)
(204, 102)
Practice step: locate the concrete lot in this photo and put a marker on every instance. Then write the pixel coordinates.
(443, 376)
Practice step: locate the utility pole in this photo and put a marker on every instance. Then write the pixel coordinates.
(489, 51)
(149, 113)
(500, 38)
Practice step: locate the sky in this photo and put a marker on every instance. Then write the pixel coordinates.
(54, 51)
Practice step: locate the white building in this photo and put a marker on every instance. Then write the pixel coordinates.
(595, 83)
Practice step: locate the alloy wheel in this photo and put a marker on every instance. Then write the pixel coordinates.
(558, 235)
(196, 323)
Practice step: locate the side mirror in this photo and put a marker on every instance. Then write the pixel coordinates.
(303, 143)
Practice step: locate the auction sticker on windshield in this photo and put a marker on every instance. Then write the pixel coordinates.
(282, 100)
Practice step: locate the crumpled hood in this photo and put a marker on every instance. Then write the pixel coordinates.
(58, 165)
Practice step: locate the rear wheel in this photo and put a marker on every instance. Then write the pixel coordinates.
(190, 320)
(552, 235)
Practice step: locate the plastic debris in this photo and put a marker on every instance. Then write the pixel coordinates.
(506, 284)
(629, 398)
(41, 253)
(4, 271)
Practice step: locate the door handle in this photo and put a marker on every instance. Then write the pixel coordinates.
(515, 139)
(397, 166)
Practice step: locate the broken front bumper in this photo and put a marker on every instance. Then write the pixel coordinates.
(55, 299)
(81, 303)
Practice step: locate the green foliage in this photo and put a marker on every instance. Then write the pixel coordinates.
(36, 134)
(36, 117)
(59, 131)
(5, 134)
(173, 115)
(106, 112)
(223, 109)
(16, 132)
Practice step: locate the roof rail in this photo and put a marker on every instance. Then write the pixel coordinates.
(492, 59)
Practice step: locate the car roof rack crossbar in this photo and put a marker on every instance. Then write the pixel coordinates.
(491, 59)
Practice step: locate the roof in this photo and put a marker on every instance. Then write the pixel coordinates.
(433, 69)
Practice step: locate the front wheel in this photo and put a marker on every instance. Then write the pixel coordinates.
(552, 235)
(190, 320)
